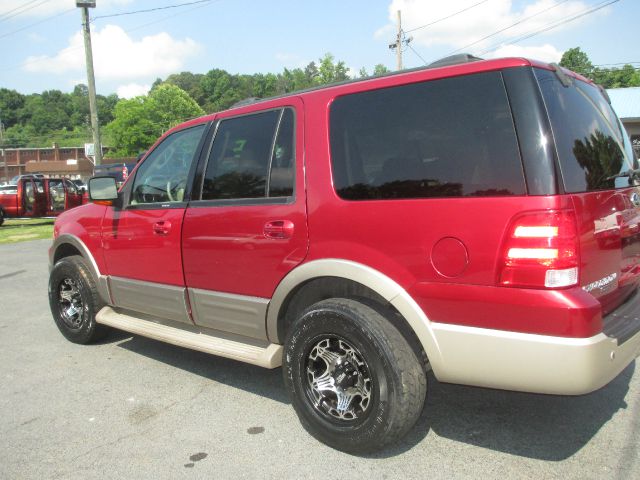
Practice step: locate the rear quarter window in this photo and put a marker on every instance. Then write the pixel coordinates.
(452, 137)
(591, 144)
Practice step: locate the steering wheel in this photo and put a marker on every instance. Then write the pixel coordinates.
(174, 184)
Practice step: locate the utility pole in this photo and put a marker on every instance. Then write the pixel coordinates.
(91, 82)
(4, 159)
(400, 40)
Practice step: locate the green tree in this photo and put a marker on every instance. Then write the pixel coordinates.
(10, 102)
(380, 69)
(190, 83)
(139, 121)
(330, 72)
(46, 112)
(576, 60)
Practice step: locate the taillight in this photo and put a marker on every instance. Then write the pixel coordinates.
(541, 251)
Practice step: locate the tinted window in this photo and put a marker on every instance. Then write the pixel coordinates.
(443, 138)
(245, 149)
(162, 177)
(592, 146)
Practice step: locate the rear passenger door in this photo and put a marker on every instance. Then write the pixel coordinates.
(246, 229)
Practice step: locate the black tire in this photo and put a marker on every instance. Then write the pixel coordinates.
(1, 217)
(373, 348)
(74, 301)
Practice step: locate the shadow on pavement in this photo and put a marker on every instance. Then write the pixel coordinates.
(257, 380)
(544, 427)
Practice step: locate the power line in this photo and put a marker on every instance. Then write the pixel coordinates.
(170, 16)
(616, 64)
(151, 9)
(507, 28)
(23, 8)
(37, 60)
(551, 27)
(419, 56)
(447, 17)
(37, 23)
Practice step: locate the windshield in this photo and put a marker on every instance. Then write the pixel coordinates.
(592, 145)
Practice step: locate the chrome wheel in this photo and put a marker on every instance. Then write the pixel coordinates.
(338, 379)
(70, 302)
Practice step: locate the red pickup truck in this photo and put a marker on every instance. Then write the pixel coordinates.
(39, 197)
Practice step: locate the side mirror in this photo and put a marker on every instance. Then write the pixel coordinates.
(103, 190)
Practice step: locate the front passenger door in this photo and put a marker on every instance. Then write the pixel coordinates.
(142, 240)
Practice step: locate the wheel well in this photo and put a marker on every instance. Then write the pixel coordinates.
(65, 250)
(323, 288)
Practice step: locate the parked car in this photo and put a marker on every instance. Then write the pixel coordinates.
(8, 189)
(361, 234)
(33, 196)
(119, 171)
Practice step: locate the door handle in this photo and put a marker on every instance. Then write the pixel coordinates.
(278, 229)
(161, 228)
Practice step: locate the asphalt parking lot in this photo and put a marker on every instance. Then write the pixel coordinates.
(136, 408)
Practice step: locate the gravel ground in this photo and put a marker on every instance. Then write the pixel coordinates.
(131, 407)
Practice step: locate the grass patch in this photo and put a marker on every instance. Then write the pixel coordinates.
(20, 230)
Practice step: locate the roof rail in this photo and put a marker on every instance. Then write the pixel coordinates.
(454, 60)
(246, 101)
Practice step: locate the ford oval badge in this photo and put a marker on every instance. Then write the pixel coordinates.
(635, 199)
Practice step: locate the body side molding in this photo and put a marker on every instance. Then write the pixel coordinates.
(155, 299)
(228, 312)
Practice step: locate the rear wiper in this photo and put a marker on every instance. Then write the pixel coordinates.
(632, 173)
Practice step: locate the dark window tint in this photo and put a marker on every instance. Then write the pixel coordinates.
(162, 177)
(592, 146)
(245, 149)
(281, 179)
(444, 138)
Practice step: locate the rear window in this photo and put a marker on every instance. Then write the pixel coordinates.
(592, 146)
(443, 138)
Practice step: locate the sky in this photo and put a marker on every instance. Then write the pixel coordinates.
(42, 46)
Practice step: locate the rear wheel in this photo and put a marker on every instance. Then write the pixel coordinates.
(74, 300)
(354, 381)
(1, 217)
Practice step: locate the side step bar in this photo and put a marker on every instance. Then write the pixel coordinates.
(269, 356)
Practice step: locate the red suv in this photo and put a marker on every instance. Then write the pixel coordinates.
(479, 219)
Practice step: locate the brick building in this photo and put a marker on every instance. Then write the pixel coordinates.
(56, 161)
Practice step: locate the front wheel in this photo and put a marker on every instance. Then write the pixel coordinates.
(74, 300)
(354, 381)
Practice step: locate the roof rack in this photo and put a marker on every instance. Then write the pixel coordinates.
(443, 62)
(454, 60)
(246, 101)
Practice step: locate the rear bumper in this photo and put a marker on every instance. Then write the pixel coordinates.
(529, 362)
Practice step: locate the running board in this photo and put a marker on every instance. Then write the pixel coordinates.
(267, 357)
